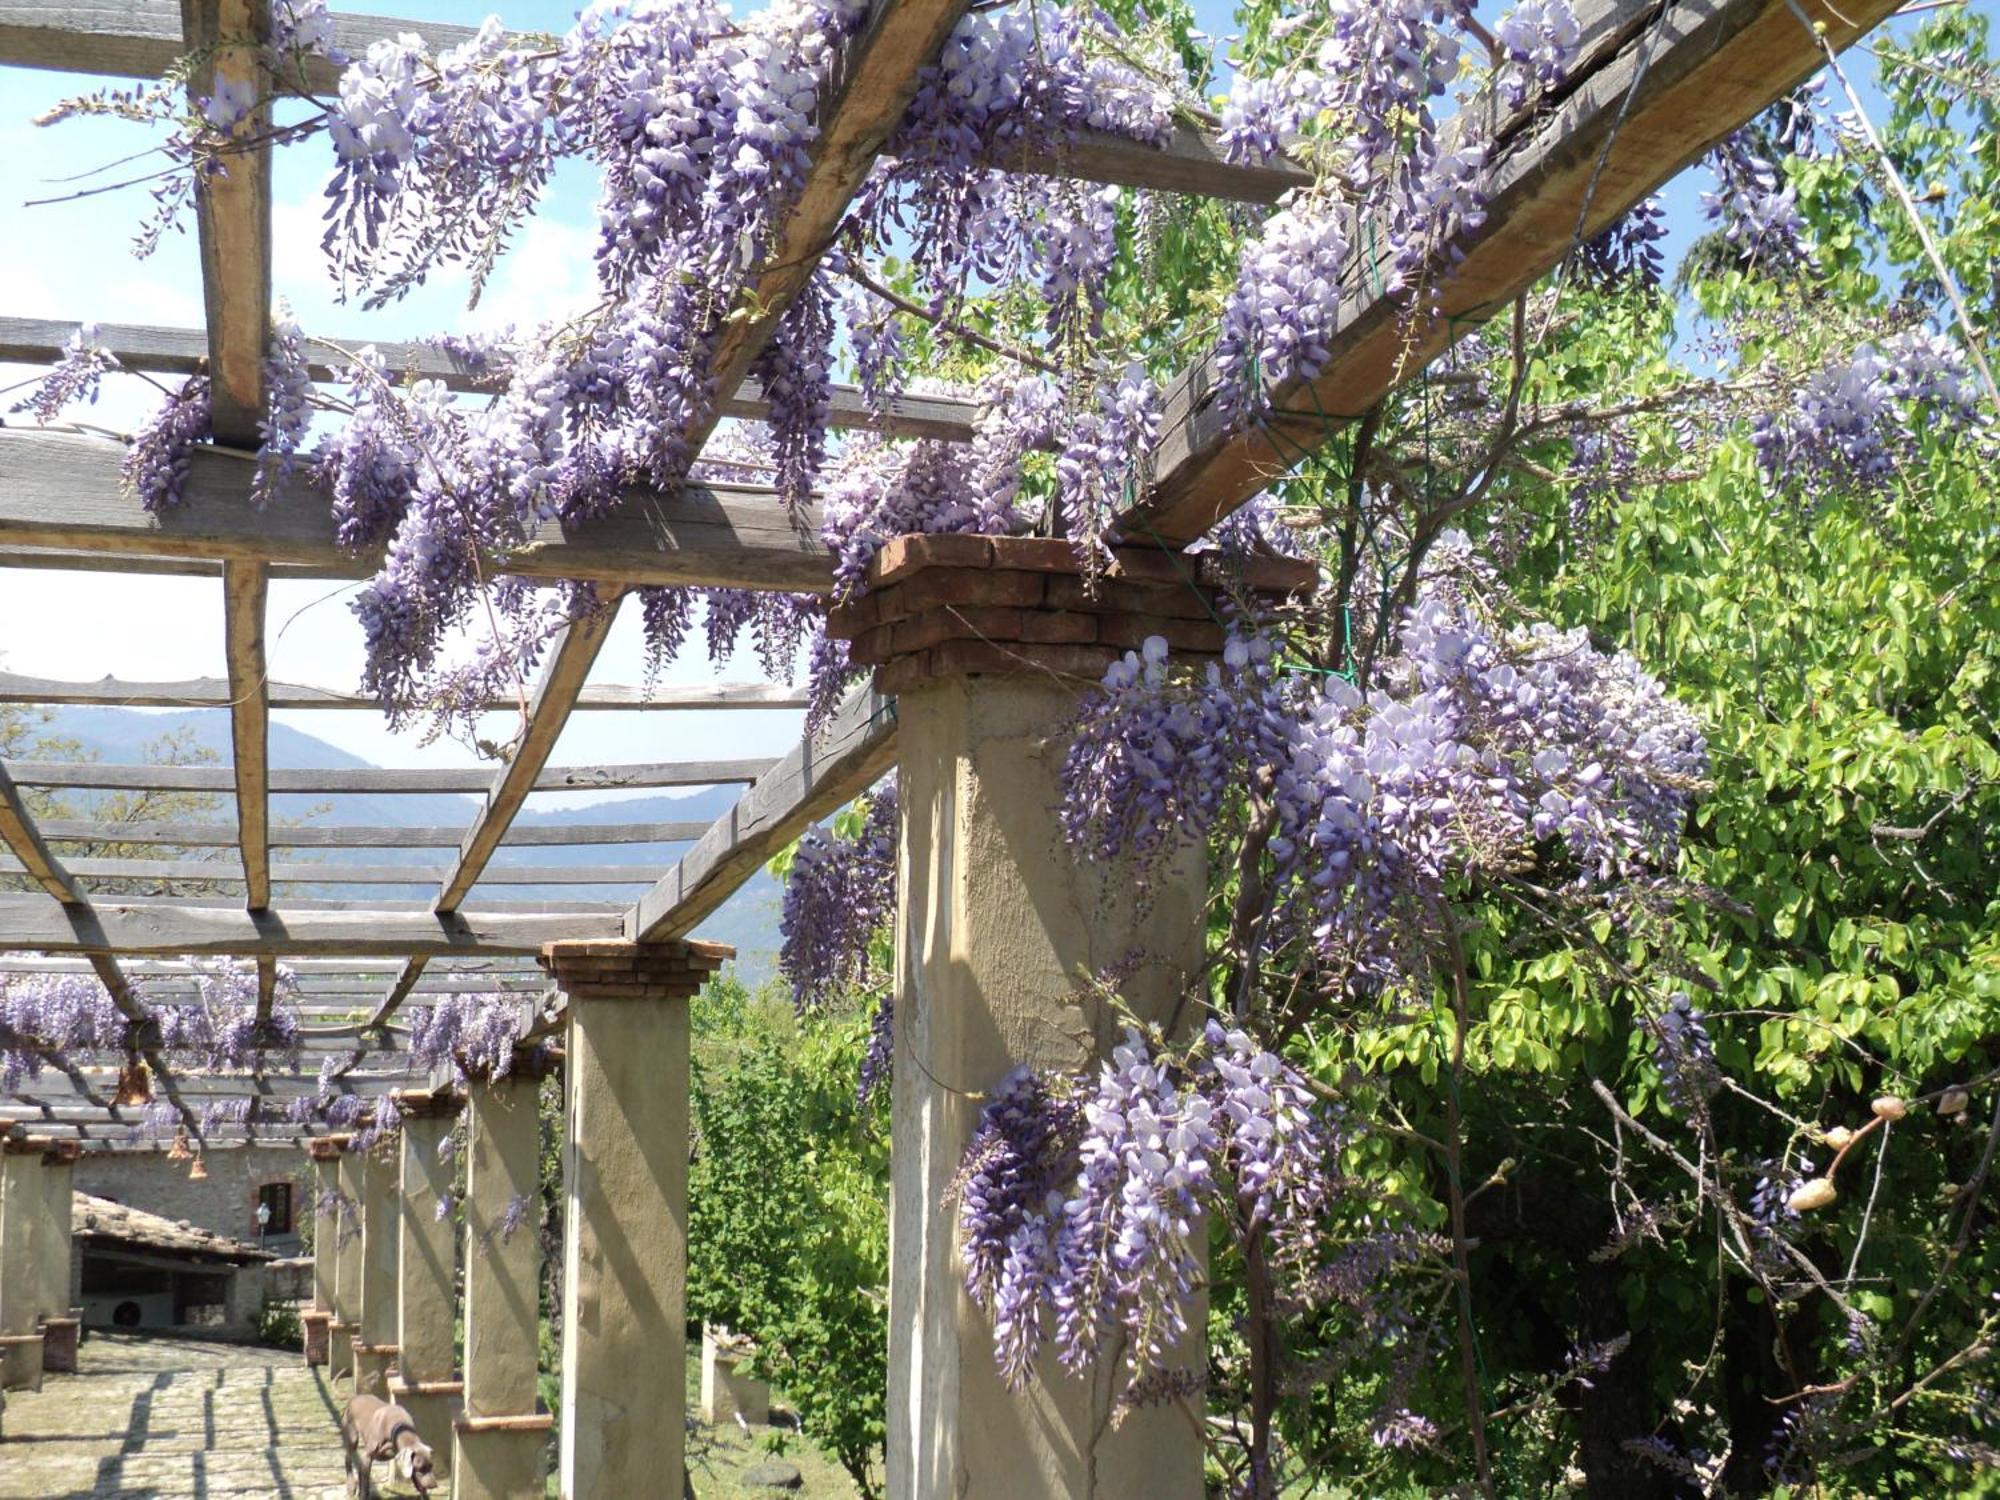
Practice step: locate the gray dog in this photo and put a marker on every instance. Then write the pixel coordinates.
(374, 1430)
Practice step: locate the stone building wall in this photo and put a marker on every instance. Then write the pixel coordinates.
(225, 1202)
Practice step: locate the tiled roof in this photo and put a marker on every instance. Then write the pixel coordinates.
(101, 1219)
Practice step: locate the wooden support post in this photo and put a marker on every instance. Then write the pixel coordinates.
(325, 1156)
(501, 1434)
(21, 1207)
(381, 1225)
(426, 1381)
(999, 930)
(625, 1178)
(345, 1226)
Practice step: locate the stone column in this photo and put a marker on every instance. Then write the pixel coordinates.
(346, 1227)
(53, 1254)
(503, 1430)
(625, 1177)
(989, 642)
(426, 1382)
(381, 1225)
(326, 1235)
(22, 1205)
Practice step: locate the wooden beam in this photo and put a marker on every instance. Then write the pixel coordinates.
(181, 351)
(363, 836)
(849, 754)
(233, 212)
(141, 39)
(526, 906)
(561, 682)
(876, 78)
(19, 833)
(111, 776)
(244, 588)
(304, 872)
(33, 923)
(1653, 89)
(62, 490)
(216, 692)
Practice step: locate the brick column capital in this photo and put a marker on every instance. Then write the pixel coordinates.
(428, 1104)
(588, 970)
(953, 605)
(327, 1147)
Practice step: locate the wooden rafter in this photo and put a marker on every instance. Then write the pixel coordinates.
(141, 39)
(244, 587)
(216, 692)
(306, 872)
(562, 681)
(120, 927)
(233, 212)
(181, 351)
(1655, 87)
(62, 490)
(119, 776)
(847, 756)
(363, 836)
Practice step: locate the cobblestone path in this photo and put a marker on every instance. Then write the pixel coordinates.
(153, 1418)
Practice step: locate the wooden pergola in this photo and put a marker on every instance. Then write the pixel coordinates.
(1654, 86)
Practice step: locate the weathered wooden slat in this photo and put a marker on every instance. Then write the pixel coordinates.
(31, 855)
(363, 836)
(876, 79)
(1654, 90)
(525, 906)
(62, 490)
(307, 969)
(32, 922)
(215, 692)
(233, 213)
(181, 351)
(301, 872)
(141, 39)
(109, 776)
(244, 589)
(851, 751)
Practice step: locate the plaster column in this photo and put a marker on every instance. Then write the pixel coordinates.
(22, 1205)
(502, 1432)
(52, 1256)
(625, 1180)
(326, 1166)
(381, 1224)
(989, 643)
(346, 1229)
(425, 1382)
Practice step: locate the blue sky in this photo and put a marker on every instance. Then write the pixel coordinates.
(71, 260)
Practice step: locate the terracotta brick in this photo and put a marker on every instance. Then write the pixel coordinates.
(1111, 597)
(1035, 554)
(847, 620)
(965, 588)
(904, 556)
(1130, 631)
(873, 647)
(977, 622)
(1267, 575)
(1058, 627)
(966, 658)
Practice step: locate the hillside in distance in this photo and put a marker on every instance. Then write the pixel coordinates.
(748, 920)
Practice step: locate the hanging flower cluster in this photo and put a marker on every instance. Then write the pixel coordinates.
(43, 1016)
(1083, 1204)
(1481, 744)
(838, 894)
(1856, 421)
(474, 1035)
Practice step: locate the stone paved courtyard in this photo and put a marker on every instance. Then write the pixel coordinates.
(153, 1418)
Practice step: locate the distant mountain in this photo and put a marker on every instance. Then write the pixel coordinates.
(748, 920)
